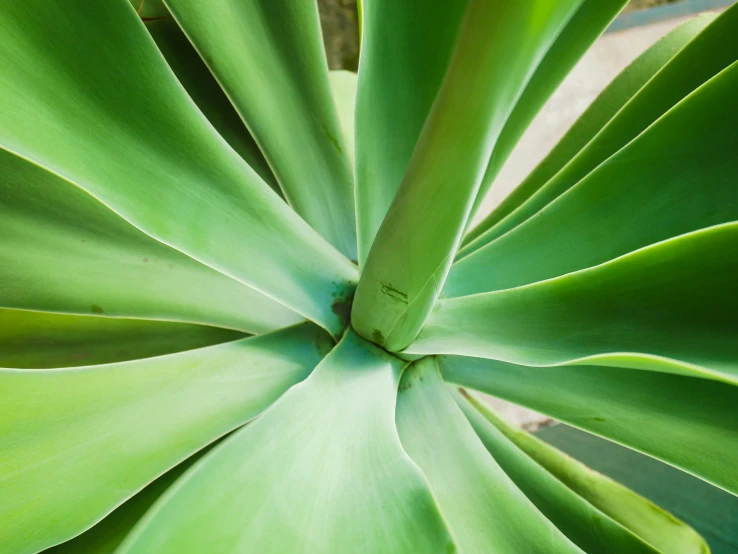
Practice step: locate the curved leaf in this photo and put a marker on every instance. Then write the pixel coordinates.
(106, 536)
(624, 313)
(103, 265)
(206, 93)
(597, 513)
(585, 26)
(334, 480)
(643, 194)
(343, 87)
(687, 422)
(86, 94)
(417, 241)
(89, 438)
(37, 340)
(484, 509)
(268, 56)
(400, 73)
(632, 79)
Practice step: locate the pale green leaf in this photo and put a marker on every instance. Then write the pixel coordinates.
(632, 79)
(75, 443)
(670, 307)
(343, 86)
(63, 251)
(268, 56)
(597, 513)
(321, 472)
(687, 422)
(106, 536)
(44, 340)
(206, 92)
(485, 510)
(86, 94)
(417, 241)
(585, 26)
(643, 194)
(405, 50)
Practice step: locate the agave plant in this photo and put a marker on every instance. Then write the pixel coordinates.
(243, 306)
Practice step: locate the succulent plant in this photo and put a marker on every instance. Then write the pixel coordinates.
(242, 306)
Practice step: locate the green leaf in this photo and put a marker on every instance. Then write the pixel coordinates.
(322, 471)
(595, 117)
(37, 340)
(597, 513)
(417, 241)
(400, 73)
(106, 536)
(268, 56)
(86, 439)
(585, 26)
(343, 87)
(624, 313)
(687, 422)
(202, 87)
(485, 510)
(86, 94)
(102, 265)
(644, 194)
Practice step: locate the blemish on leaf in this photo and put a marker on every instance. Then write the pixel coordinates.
(377, 336)
(334, 140)
(146, 260)
(392, 292)
(598, 419)
(96, 309)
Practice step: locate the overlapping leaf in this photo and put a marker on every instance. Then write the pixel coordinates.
(400, 73)
(206, 92)
(688, 422)
(586, 25)
(321, 472)
(63, 251)
(645, 192)
(106, 536)
(268, 56)
(38, 340)
(417, 241)
(668, 307)
(484, 509)
(595, 117)
(75, 443)
(87, 95)
(597, 514)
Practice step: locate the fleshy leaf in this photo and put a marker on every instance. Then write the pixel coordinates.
(86, 439)
(622, 313)
(484, 509)
(38, 340)
(322, 472)
(632, 79)
(343, 86)
(268, 56)
(87, 95)
(106, 536)
(400, 73)
(597, 513)
(63, 251)
(643, 193)
(688, 422)
(417, 241)
(202, 87)
(587, 24)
